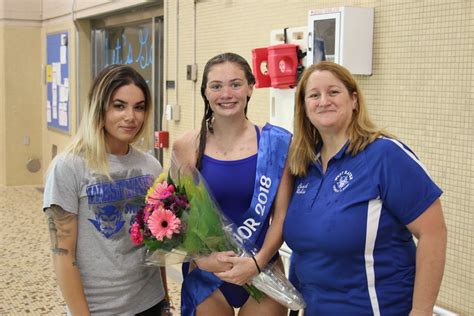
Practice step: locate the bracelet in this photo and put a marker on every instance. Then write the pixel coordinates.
(256, 264)
(166, 303)
(167, 307)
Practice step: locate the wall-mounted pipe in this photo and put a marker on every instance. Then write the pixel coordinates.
(176, 88)
(76, 49)
(164, 122)
(194, 63)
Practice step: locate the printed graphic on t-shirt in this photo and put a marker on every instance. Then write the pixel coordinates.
(114, 202)
(108, 220)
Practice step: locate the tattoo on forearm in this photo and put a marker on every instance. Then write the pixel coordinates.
(53, 233)
(58, 221)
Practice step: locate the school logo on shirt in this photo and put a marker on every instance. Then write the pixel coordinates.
(301, 189)
(109, 201)
(342, 180)
(108, 220)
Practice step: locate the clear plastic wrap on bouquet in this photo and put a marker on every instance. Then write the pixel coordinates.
(162, 258)
(274, 283)
(271, 280)
(181, 222)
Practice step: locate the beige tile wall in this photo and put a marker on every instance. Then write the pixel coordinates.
(21, 103)
(3, 154)
(421, 89)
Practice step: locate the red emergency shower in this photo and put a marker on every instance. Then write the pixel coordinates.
(281, 66)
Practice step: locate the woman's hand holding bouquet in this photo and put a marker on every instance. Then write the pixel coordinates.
(242, 270)
(215, 262)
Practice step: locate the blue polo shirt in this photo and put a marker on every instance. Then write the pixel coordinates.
(352, 252)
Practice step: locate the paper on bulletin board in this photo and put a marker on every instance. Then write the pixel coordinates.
(63, 54)
(63, 40)
(63, 93)
(56, 73)
(54, 100)
(48, 111)
(62, 121)
(49, 73)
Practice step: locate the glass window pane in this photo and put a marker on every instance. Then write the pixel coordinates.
(324, 40)
(131, 45)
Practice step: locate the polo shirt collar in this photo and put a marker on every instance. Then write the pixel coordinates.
(340, 154)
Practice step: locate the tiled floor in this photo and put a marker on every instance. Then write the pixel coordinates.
(27, 282)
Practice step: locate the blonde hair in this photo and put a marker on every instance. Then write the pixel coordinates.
(362, 131)
(89, 142)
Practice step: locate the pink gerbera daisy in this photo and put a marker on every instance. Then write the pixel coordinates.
(159, 192)
(163, 223)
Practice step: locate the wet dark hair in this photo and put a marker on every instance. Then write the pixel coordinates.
(207, 118)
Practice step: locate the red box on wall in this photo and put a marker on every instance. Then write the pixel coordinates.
(161, 139)
(275, 66)
(260, 67)
(282, 65)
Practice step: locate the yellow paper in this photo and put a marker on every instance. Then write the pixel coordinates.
(49, 73)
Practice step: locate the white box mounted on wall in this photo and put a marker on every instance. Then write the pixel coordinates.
(172, 112)
(343, 35)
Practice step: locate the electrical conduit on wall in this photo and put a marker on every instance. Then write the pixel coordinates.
(194, 63)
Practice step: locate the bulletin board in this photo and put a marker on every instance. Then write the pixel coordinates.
(57, 79)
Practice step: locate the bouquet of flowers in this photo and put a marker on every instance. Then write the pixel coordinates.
(180, 221)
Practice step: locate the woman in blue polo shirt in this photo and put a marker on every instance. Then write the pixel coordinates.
(360, 195)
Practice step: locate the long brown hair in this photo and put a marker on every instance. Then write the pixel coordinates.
(207, 119)
(362, 131)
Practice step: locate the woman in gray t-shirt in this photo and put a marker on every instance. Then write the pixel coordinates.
(90, 201)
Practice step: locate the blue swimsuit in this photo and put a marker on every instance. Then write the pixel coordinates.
(232, 184)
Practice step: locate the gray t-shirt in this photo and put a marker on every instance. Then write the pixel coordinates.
(115, 280)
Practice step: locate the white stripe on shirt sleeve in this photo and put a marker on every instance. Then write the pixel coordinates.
(373, 216)
(410, 154)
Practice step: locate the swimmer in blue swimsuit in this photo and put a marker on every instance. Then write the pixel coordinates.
(225, 151)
